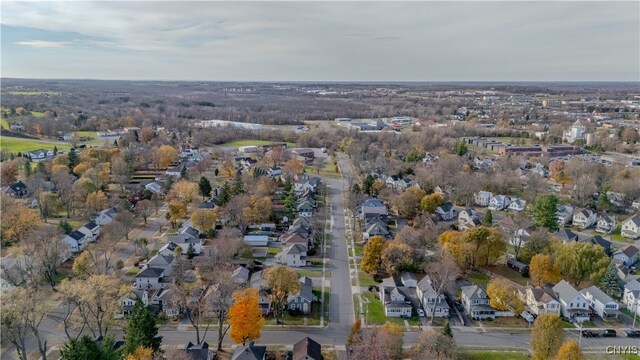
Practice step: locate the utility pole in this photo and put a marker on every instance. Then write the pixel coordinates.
(580, 343)
(635, 312)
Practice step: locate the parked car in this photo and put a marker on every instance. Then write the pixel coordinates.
(632, 333)
(527, 315)
(421, 313)
(590, 334)
(608, 333)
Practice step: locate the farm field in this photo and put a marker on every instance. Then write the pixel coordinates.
(33, 93)
(14, 144)
(249, 142)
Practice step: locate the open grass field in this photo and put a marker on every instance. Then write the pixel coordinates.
(5, 124)
(14, 144)
(33, 93)
(92, 134)
(491, 355)
(249, 142)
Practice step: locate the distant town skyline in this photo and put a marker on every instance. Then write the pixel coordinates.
(322, 41)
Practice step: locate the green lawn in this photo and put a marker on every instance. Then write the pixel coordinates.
(375, 313)
(37, 114)
(366, 279)
(249, 142)
(273, 250)
(14, 144)
(491, 355)
(5, 124)
(512, 275)
(92, 134)
(312, 273)
(478, 278)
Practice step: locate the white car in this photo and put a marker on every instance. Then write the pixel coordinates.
(527, 315)
(420, 312)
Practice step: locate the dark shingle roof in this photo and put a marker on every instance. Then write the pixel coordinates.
(249, 353)
(307, 349)
(150, 273)
(76, 235)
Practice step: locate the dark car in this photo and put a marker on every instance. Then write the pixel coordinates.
(608, 333)
(632, 333)
(590, 334)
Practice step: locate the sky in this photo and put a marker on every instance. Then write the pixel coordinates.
(322, 41)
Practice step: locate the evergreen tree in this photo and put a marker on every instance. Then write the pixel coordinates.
(487, 220)
(27, 168)
(355, 189)
(204, 186)
(141, 330)
(41, 168)
(115, 143)
(461, 148)
(216, 172)
(290, 202)
(446, 330)
(367, 184)
(73, 158)
(55, 150)
(191, 252)
(544, 209)
(65, 226)
(288, 185)
(168, 184)
(610, 283)
(86, 348)
(225, 194)
(238, 186)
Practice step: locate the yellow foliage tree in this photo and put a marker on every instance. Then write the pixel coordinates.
(245, 316)
(228, 169)
(185, 191)
(371, 257)
(204, 219)
(281, 281)
(164, 156)
(177, 211)
(81, 168)
(18, 222)
(542, 270)
(570, 350)
(503, 296)
(141, 353)
(546, 336)
(430, 203)
(259, 209)
(96, 201)
(396, 255)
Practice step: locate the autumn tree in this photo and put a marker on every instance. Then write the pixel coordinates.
(96, 201)
(540, 242)
(442, 274)
(177, 211)
(546, 336)
(144, 208)
(220, 303)
(544, 209)
(431, 345)
(372, 254)
(504, 296)
(228, 169)
(259, 209)
(514, 227)
(140, 353)
(580, 261)
(245, 316)
(18, 222)
(430, 202)
(121, 170)
(380, 343)
(164, 156)
(355, 335)
(396, 256)
(23, 311)
(542, 270)
(185, 191)
(141, 330)
(203, 219)
(292, 167)
(570, 350)
(9, 171)
(282, 281)
(408, 203)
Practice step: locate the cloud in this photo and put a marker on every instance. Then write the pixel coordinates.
(43, 43)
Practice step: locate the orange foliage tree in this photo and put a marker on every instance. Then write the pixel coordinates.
(245, 316)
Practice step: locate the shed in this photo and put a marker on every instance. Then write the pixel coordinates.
(518, 266)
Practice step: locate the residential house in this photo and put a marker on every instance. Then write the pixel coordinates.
(564, 214)
(446, 212)
(599, 240)
(154, 187)
(606, 224)
(627, 254)
(616, 199)
(476, 303)
(198, 352)
(256, 240)
(373, 208)
(187, 236)
(584, 218)
(408, 279)
(375, 227)
(517, 204)
(566, 235)
(305, 209)
(601, 303)
(430, 159)
(163, 262)
(306, 349)
(303, 299)
(257, 282)
(540, 300)
(250, 352)
(151, 279)
(240, 275)
(105, 217)
(631, 227)
(307, 183)
(498, 202)
(393, 300)
(91, 230)
(431, 303)
(294, 238)
(573, 305)
(631, 297)
(467, 215)
(483, 198)
(274, 171)
(40, 154)
(17, 190)
(294, 255)
(76, 241)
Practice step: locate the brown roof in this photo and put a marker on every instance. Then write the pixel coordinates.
(307, 349)
(629, 250)
(543, 294)
(294, 238)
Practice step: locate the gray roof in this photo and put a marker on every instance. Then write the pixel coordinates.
(633, 286)
(150, 273)
(597, 294)
(473, 291)
(373, 203)
(565, 291)
(407, 276)
(306, 349)
(634, 219)
(241, 273)
(565, 235)
(446, 207)
(249, 353)
(628, 250)
(76, 235)
(190, 231)
(306, 290)
(295, 249)
(90, 225)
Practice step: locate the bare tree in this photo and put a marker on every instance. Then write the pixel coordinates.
(220, 302)
(191, 298)
(442, 273)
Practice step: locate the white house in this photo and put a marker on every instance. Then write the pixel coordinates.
(40, 154)
(467, 215)
(163, 262)
(294, 255)
(631, 297)
(431, 303)
(154, 187)
(476, 303)
(600, 302)
(498, 202)
(91, 230)
(564, 214)
(394, 301)
(631, 227)
(517, 204)
(483, 198)
(150, 279)
(446, 212)
(627, 254)
(540, 300)
(274, 171)
(76, 241)
(305, 209)
(105, 217)
(606, 224)
(409, 279)
(584, 218)
(573, 305)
